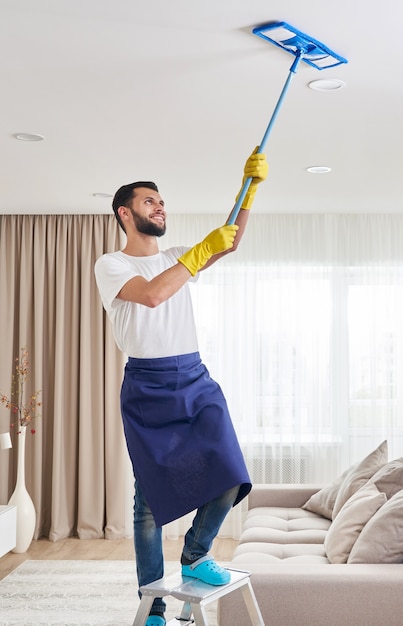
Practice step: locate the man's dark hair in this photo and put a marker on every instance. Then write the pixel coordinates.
(125, 195)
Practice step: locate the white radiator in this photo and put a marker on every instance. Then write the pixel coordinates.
(285, 466)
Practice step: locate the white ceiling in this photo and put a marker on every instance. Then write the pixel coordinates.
(180, 92)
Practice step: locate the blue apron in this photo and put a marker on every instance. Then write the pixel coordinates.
(179, 434)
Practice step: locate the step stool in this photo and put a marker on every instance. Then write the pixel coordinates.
(196, 595)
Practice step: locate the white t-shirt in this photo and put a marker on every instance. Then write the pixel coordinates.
(140, 331)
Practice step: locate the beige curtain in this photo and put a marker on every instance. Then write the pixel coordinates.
(76, 462)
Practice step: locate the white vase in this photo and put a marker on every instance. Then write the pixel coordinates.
(26, 516)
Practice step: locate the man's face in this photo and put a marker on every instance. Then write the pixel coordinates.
(148, 212)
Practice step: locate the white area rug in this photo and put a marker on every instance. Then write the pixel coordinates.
(85, 593)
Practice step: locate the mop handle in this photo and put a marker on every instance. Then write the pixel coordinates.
(246, 185)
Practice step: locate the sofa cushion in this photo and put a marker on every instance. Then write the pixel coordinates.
(349, 522)
(284, 526)
(323, 502)
(286, 514)
(271, 535)
(381, 540)
(258, 553)
(359, 475)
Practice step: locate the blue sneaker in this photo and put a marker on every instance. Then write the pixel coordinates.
(207, 570)
(155, 620)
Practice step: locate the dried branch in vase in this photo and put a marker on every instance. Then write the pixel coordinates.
(24, 409)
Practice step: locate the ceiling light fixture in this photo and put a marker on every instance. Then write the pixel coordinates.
(28, 137)
(318, 169)
(100, 194)
(326, 84)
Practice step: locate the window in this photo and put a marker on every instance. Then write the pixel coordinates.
(375, 322)
(304, 352)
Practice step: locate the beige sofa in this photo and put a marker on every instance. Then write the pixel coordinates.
(308, 569)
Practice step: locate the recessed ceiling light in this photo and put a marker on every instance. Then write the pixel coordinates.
(318, 169)
(327, 84)
(100, 194)
(28, 137)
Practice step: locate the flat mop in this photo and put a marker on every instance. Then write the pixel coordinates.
(304, 48)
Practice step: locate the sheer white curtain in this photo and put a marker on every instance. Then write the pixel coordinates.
(302, 327)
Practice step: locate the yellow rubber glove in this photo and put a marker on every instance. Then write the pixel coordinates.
(256, 168)
(217, 241)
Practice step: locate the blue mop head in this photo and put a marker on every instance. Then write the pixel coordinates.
(292, 40)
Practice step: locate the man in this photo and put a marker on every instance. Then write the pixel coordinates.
(180, 437)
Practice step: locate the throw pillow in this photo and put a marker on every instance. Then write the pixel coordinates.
(389, 478)
(353, 516)
(381, 540)
(322, 502)
(359, 475)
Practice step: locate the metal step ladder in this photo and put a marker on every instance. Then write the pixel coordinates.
(196, 595)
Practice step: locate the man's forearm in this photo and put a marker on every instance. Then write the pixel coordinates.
(153, 292)
(241, 221)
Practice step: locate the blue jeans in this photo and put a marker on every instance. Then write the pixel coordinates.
(198, 539)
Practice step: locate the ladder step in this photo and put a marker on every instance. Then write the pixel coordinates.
(196, 595)
(192, 589)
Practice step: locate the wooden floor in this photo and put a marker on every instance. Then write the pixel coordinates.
(101, 549)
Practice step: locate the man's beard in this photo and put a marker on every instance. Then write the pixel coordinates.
(145, 226)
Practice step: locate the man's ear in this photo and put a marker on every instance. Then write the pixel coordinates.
(124, 213)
